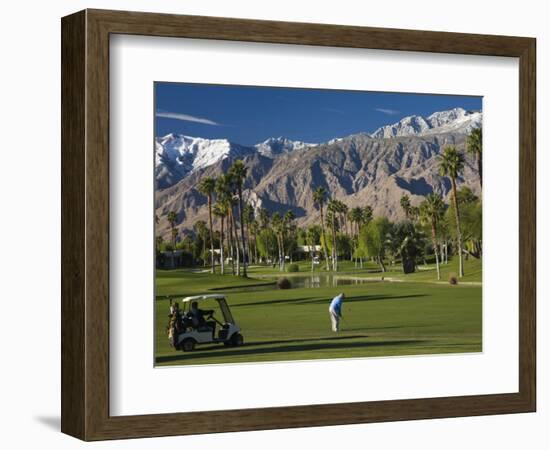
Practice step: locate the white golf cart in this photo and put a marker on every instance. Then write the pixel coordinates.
(228, 332)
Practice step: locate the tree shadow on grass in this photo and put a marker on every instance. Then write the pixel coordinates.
(259, 350)
(275, 302)
(392, 327)
(292, 341)
(367, 298)
(317, 301)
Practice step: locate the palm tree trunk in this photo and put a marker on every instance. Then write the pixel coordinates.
(458, 233)
(231, 240)
(222, 262)
(381, 263)
(334, 249)
(434, 243)
(211, 233)
(283, 252)
(248, 243)
(280, 250)
(203, 251)
(255, 248)
(237, 243)
(243, 240)
(324, 237)
(480, 168)
(173, 247)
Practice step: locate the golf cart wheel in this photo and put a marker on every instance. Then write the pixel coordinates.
(188, 345)
(237, 340)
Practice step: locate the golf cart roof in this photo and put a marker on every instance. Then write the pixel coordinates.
(198, 298)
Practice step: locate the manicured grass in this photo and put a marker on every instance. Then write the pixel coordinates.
(183, 282)
(472, 272)
(380, 319)
(345, 266)
(427, 273)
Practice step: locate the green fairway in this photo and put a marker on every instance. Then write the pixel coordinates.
(472, 272)
(380, 318)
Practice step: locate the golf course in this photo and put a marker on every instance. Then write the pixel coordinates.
(353, 245)
(384, 314)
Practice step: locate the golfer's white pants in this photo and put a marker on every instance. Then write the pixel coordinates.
(335, 320)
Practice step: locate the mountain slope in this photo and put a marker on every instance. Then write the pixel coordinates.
(177, 156)
(456, 120)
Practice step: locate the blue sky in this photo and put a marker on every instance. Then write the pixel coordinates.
(249, 114)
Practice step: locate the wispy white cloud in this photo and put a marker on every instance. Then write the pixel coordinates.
(186, 118)
(390, 112)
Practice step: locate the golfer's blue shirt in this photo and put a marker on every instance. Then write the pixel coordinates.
(336, 305)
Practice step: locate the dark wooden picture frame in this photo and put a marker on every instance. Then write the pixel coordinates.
(85, 224)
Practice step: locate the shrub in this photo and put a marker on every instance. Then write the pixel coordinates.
(453, 279)
(284, 283)
(293, 268)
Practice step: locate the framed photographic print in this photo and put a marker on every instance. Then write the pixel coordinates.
(271, 225)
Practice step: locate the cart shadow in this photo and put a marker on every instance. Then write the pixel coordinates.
(259, 348)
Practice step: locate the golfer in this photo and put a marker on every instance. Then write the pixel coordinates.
(335, 311)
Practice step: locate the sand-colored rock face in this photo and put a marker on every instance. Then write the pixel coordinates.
(359, 170)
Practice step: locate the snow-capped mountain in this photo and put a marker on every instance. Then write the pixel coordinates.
(277, 146)
(177, 156)
(456, 120)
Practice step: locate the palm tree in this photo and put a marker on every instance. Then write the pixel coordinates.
(409, 243)
(355, 217)
(288, 227)
(414, 213)
(225, 198)
(201, 229)
(319, 196)
(405, 203)
(343, 210)
(220, 211)
(254, 228)
(432, 210)
(367, 215)
(174, 233)
(333, 208)
(451, 164)
(158, 241)
(207, 186)
(238, 172)
(474, 145)
(172, 218)
(312, 234)
(277, 223)
(236, 251)
(264, 217)
(248, 218)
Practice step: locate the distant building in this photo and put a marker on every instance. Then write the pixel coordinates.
(306, 249)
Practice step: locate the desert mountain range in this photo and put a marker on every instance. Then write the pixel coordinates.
(362, 169)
